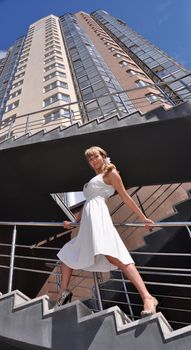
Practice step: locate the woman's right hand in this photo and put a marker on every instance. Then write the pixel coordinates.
(67, 225)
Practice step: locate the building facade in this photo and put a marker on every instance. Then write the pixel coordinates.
(79, 67)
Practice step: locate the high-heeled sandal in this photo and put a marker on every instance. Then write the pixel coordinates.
(152, 310)
(65, 298)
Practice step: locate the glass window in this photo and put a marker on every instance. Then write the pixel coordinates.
(92, 105)
(55, 84)
(14, 94)
(56, 97)
(52, 53)
(20, 82)
(131, 72)
(152, 97)
(183, 92)
(117, 55)
(179, 74)
(123, 63)
(98, 85)
(141, 83)
(19, 75)
(109, 108)
(187, 80)
(53, 74)
(158, 68)
(21, 68)
(7, 122)
(112, 49)
(104, 100)
(58, 114)
(57, 64)
(101, 92)
(12, 106)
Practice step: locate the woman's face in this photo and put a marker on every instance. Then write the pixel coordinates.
(96, 161)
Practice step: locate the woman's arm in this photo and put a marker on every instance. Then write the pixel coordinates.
(113, 178)
(68, 224)
(79, 215)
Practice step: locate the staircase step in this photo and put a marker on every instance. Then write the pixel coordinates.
(75, 327)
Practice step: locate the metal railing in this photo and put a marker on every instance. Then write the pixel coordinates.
(35, 121)
(98, 285)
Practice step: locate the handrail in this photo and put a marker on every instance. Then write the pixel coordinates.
(75, 224)
(160, 271)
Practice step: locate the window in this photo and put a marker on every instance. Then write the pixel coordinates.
(117, 55)
(49, 60)
(123, 63)
(19, 75)
(108, 43)
(12, 106)
(131, 72)
(58, 114)
(24, 56)
(141, 83)
(20, 82)
(57, 97)
(55, 84)
(54, 74)
(133, 47)
(14, 94)
(112, 49)
(57, 64)
(21, 68)
(8, 121)
(133, 65)
(53, 52)
(22, 62)
(152, 98)
(158, 69)
(53, 58)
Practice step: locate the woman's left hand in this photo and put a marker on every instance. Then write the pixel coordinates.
(148, 223)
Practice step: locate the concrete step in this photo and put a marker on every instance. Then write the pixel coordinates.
(33, 324)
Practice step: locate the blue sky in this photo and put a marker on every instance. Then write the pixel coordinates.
(164, 22)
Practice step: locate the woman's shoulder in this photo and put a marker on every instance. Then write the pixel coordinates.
(112, 176)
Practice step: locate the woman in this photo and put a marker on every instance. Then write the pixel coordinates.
(98, 246)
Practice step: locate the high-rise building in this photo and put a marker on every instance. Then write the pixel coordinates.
(80, 67)
(94, 71)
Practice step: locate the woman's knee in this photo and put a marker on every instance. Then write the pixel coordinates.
(114, 261)
(119, 264)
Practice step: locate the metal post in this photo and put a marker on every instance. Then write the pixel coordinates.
(127, 296)
(189, 231)
(27, 125)
(96, 283)
(12, 258)
(70, 114)
(58, 276)
(10, 127)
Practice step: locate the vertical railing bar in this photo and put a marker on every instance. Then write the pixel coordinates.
(27, 125)
(96, 283)
(10, 128)
(189, 231)
(11, 268)
(127, 296)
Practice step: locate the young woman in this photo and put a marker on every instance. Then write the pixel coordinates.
(98, 246)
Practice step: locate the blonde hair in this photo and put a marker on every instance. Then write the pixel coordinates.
(96, 149)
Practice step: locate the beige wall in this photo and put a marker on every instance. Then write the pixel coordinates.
(33, 94)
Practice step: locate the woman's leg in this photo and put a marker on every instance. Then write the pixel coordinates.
(133, 275)
(66, 273)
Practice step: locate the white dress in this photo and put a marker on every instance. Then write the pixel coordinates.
(97, 235)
